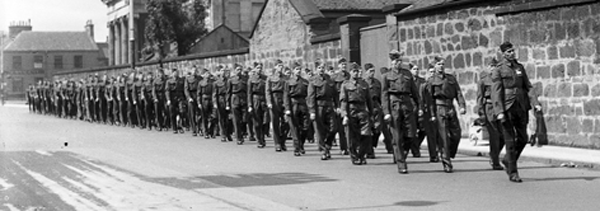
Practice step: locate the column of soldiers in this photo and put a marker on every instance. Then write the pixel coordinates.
(352, 104)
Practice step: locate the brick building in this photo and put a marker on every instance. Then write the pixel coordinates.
(33, 56)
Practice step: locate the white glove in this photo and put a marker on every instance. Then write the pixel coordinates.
(269, 106)
(249, 109)
(387, 118)
(345, 121)
(288, 112)
(500, 116)
(462, 111)
(168, 102)
(420, 112)
(538, 108)
(313, 116)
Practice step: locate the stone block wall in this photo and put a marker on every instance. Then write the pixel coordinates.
(559, 47)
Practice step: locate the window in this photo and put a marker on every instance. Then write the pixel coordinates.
(78, 61)
(16, 62)
(58, 62)
(38, 62)
(17, 85)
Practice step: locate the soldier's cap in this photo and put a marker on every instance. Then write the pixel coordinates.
(369, 66)
(319, 62)
(431, 65)
(354, 66)
(296, 65)
(342, 60)
(384, 70)
(505, 46)
(437, 59)
(494, 62)
(307, 70)
(395, 54)
(278, 62)
(256, 64)
(237, 65)
(411, 65)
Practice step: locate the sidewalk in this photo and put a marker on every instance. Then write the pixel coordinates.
(553, 155)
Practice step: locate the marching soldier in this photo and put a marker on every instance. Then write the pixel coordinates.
(426, 101)
(138, 98)
(421, 121)
(379, 126)
(236, 100)
(205, 104)
(130, 98)
(486, 112)
(122, 98)
(339, 77)
(109, 95)
(274, 94)
(296, 109)
(321, 103)
(80, 95)
(257, 103)
(399, 97)
(158, 94)
(148, 100)
(511, 104)
(356, 104)
(190, 87)
(101, 99)
(30, 98)
(444, 88)
(220, 103)
(176, 101)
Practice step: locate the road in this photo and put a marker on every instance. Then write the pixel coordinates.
(59, 164)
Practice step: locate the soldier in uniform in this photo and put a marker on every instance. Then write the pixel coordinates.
(444, 88)
(421, 121)
(101, 99)
(321, 103)
(339, 77)
(190, 87)
(257, 104)
(130, 98)
(205, 104)
(379, 125)
(148, 100)
(220, 103)
(122, 98)
(158, 94)
(356, 104)
(400, 98)
(486, 112)
(274, 93)
(138, 98)
(57, 97)
(425, 117)
(511, 104)
(236, 100)
(176, 101)
(89, 99)
(109, 91)
(296, 109)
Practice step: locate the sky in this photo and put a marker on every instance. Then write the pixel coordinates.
(56, 15)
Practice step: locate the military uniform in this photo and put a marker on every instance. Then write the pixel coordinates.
(275, 86)
(122, 98)
(160, 109)
(207, 111)
(486, 112)
(138, 96)
(295, 92)
(356, 106)
(101, 101)
(220, 103)
(236, 99)
(510, 97)
(399, 95)
(148, 102)
(339, 78)
(190, 87)
(175, 94)
(131, 103)
(109, 91)
(321, 102)
(257, 101)
(379, 126)
(422, 121)
(444, 88)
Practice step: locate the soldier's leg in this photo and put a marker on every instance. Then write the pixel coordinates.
(454, 133)
(342, 136)
(304, 126)
(182, 113)
(443, 138)
(292, 120)
(192, 117)
(258, 123)
(173, 115)
(276, 121)
(495, 137)
(321, 130)
(508, 132)
(520, 123)
(364, 139)
(237, 124)
(352, 130)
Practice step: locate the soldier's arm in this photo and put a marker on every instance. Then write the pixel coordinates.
(268, 91)
(167, 91)
(459, 96)
(369, 100)
(342, 98)
(414, 92)
(186, 92)
(497, 92)
(480, 97)
(249, 94)
(287, 102)
(214, 94)
(229, 93)
(385, 96)
(310, 98)
(154, 96)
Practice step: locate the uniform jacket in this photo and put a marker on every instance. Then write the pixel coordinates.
(511, 86)
(321, 88)
(398, 84)
(444, 87)
(355, 91)
(296, 87)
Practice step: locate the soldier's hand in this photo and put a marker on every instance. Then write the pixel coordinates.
(269, 106)
(538, 108)
(462, 111)
(313, 116)
(227, 108)
(420, 112)
(249, 109)
(387, 118)
(338, 110)
(190, 100)
(288, 112)
(168, 102)
(156, 100)
(126, 99)
(433, 119)
(134, 102)
(215, 106)
(345, 121)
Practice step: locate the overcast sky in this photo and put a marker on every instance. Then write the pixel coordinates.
(56, 15)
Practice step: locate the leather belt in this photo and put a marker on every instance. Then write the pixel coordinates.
(443, 102)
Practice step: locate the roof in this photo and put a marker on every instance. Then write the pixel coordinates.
(357, 4)
(427, 5)
(52, 41)
(103, 47)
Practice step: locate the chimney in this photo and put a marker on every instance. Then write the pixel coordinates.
(17, 27)
(89, 28)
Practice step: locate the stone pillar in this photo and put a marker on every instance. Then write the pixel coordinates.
(124, 41)
(117, 42)
(350, 35)
(111, 44)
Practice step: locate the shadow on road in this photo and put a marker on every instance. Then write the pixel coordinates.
(550, 179)
(241, 180)
(397, 204)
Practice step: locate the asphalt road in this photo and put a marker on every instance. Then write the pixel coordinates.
(58, 164)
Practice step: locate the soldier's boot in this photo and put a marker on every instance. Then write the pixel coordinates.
(448, 168)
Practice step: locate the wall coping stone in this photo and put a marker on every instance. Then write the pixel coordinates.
(539, 5)
(353, 18)
(325, 38)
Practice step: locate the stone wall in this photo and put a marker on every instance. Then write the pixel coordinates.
(282, 34)
(559, 47)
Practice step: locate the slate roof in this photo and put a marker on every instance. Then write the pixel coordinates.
(357, 4)
(52, 41)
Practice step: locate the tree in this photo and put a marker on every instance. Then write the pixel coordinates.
(175, 21)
